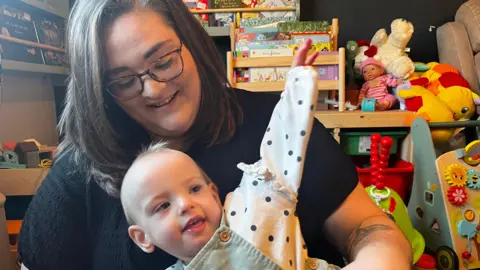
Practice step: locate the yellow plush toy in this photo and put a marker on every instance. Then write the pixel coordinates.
(431, 108)
(459, 100)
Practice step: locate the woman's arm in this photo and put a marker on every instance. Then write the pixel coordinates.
(370, 240)
(53, 234)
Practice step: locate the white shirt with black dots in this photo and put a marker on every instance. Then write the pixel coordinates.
(262, 208)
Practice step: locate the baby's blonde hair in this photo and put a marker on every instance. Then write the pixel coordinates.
(156, 147)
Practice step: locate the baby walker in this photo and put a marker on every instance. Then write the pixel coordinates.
(445, 199)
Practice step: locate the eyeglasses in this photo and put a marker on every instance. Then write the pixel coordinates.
(166, 68)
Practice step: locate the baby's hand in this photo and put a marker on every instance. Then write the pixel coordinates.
(399, 81)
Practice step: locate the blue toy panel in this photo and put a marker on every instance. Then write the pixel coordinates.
(445, 201)
(426, 207)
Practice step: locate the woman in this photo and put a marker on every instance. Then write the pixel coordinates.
(146, 70)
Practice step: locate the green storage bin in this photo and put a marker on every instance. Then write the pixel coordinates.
(358, 143)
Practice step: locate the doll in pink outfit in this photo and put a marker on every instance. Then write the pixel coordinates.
(376, 83)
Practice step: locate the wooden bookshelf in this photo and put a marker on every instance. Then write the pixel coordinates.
(281, 61)
(279, 86)
(359, 119)
(32, 67)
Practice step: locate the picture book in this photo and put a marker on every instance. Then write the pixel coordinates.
(276, 3)
(228, 3)
(54, 58)
(241, 75)
(203, 18)
(273, 74)
(321, 41)
(17, 24)
(271, 52)
(327, 72)
(263, 21)
(50, 32)
(222, 19)
(22, 53)
(303, 26)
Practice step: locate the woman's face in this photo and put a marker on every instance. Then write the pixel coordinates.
(140, 40)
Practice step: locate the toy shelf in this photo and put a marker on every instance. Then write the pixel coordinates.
(359, 119)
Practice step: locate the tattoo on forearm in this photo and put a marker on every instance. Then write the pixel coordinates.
(358, 236)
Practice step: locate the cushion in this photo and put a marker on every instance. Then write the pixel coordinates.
(454, 49)
(469, 15)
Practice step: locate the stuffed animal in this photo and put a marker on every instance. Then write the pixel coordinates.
(391, 48)
(363, 45)
(351, 53)
(459, 100)
(431, 108)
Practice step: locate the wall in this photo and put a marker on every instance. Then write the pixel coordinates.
(27, 108)
(361, 19)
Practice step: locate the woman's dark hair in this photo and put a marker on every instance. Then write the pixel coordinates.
(97, 134)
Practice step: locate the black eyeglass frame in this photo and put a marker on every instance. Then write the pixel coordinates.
(150, 73)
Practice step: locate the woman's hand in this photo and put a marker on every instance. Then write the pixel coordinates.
(301, 59)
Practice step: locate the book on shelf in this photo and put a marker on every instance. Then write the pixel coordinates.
(50, 32)
(271, 38)
(241, 18)
(203, 18)
(16, 23)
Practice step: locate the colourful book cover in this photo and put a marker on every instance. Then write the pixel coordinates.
(222, 19)
(227, 4)
(271, 52)
(273, 74)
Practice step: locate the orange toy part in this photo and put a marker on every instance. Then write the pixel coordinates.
(409, 119)
(444, 68)
(433, 87)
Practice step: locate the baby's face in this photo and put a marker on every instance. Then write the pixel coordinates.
(173, 206)
(371, 72)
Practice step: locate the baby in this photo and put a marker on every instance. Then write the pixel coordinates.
(376, 83)
(171, 203)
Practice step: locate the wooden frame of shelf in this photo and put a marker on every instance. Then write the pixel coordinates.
(359, 119)
(32, 67)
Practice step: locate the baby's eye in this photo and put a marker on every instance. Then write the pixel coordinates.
(162, 207)
(195, 189)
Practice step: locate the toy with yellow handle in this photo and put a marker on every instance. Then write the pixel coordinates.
(471, 153)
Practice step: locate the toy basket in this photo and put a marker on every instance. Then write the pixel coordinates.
(398, 176)
(358, 142)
